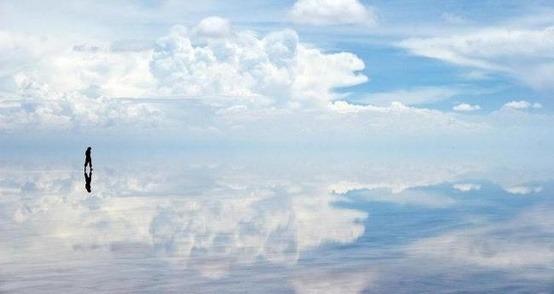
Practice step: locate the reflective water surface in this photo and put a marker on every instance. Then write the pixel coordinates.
(262, 224)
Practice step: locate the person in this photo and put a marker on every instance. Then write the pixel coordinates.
(88, 179)
(88, 160)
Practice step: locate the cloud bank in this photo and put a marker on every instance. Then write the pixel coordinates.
(276, 67)
(211, 82)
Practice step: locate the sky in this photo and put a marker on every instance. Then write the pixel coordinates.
(281, 73)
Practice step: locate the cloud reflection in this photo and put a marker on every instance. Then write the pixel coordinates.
(233, 221)
(316, 226)
(523, 244)
(261, 224)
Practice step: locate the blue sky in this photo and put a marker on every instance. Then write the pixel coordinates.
(277, 71)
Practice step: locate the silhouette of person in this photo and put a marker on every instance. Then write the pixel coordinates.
(88, 160)
(88, 180)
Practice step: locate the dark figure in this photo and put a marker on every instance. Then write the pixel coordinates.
(88, 160)
(88, 179)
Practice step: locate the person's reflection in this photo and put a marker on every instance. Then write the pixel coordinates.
(88, 179)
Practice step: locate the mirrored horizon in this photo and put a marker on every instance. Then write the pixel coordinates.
(173, 221)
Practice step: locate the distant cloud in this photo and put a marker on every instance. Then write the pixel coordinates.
(522, 105)
(213, 27)
(414, 96)
(466, 187)
(523, 190)
(464, 107)
(331, 12)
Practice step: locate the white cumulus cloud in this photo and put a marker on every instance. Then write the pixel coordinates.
(331, 12)
(466, 107)
(276, 66)
(53, 84)
(46, 107)
(522, 105)
(465, 187)
(213, 27)
(523, 190)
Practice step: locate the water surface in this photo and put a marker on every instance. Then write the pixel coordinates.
(175, 223)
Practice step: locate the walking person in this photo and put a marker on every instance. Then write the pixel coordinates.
(88, 159)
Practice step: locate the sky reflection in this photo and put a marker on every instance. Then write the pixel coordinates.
(229, 224)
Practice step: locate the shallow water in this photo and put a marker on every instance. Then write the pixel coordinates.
(174, 223)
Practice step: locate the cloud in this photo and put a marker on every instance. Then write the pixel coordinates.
(344, 107)
(213, 27)
(514, 122)
(522, 105)
(76, 69)
(276, 66)
(522, 53)
(464, 107)
(53, 85)
(467, 187)
(523, 190)
(245, 86)
(416, 96)
(81, 84)
(401, 117)
(18, 51)
(331, 12)
(48, 108)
